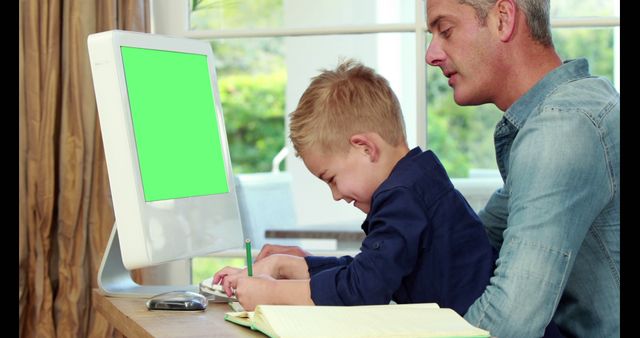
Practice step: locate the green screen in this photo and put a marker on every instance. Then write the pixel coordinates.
(174, 123)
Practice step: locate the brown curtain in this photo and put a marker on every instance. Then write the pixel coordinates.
(65, 211)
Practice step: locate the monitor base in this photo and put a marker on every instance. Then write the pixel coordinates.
(114, 280)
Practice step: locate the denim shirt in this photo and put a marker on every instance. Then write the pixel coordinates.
(556, 220)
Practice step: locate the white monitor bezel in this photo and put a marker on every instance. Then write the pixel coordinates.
(133, 214)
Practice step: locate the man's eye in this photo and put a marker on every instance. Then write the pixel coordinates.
(445, 33)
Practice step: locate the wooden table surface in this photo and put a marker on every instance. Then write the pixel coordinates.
(131, 317)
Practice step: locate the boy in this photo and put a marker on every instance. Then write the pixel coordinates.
(423, 241)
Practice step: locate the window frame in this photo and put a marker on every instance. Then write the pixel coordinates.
(171, 17)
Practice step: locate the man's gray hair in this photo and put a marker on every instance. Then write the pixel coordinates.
(536, 12)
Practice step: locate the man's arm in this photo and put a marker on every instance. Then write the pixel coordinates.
(271, 249)
(556, 186)
(494, 217)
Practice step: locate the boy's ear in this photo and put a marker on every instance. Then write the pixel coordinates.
(365, 145)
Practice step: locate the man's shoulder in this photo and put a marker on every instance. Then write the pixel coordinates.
(587, 93)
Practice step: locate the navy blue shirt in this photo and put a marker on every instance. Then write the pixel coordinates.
(423, 243)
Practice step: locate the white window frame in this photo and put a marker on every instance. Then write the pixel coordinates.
(171, 17)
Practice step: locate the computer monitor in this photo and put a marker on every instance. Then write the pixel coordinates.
(167, 154)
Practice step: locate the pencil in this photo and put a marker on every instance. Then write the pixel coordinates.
(247, 245)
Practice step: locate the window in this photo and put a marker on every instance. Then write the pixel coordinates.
(268, 50)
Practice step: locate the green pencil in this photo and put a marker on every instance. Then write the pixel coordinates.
(247, 245)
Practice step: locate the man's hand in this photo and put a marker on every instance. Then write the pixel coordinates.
(270, 249)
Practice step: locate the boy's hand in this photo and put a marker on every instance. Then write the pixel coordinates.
(277, 266)
(270, 249)
(252, 291)
(228, 275)
(262, 289)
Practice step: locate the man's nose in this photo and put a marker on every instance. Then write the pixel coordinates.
(435, 55)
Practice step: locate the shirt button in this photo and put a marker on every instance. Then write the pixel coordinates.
(376, 245)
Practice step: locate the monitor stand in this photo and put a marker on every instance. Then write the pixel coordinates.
(115, 280)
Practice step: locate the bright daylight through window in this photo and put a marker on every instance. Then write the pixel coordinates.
(267, 51)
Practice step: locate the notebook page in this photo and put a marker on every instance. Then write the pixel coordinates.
(405, 320)
(243, 318)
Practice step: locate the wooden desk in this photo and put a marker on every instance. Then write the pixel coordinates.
(131, 317)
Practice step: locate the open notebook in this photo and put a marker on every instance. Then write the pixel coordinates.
(398, 320)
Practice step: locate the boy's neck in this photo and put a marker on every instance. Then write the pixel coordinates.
(391, 155)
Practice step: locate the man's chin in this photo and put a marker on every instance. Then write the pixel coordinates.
(461, 100)
(466, 100)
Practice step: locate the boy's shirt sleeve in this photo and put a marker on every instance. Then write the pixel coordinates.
(388, 253)
(321, 263)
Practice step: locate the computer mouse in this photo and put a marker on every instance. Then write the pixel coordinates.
(178, 301)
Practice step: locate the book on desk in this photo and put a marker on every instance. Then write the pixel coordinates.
(393, 320)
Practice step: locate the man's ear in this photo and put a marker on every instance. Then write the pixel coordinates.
(366, 145)
(505, 11)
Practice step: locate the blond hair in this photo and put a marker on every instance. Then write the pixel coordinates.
(340, 103)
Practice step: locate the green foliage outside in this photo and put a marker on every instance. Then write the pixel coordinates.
(235, 14)
(204, 267)
(463, 136)
(252, 80)
(596, 45)
(252, 84)
(254, 118)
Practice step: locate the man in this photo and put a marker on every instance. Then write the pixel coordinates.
(556, 220)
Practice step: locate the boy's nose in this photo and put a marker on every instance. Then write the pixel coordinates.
(336, 194)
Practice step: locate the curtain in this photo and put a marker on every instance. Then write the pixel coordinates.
(65, 211)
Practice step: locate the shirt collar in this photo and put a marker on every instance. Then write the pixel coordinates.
(570, 70)
(412, 153)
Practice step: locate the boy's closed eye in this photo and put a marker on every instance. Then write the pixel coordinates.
(329, 180)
